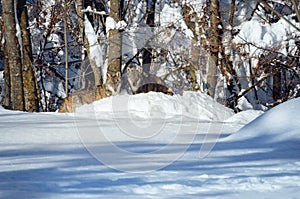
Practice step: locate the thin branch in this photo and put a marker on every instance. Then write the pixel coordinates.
(278, 14)
(66, 46)
(267, 49)
(296, 9)
(257, 83)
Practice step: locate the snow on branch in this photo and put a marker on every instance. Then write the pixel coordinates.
(94, 11)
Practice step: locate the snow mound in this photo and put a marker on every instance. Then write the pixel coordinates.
(280, 124)
(244, 117)
(158, 105)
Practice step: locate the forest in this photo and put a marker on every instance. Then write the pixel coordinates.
(55, 53)
(156, 99)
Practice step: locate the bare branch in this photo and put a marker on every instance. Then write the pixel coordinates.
(278, 14)
(296, 9)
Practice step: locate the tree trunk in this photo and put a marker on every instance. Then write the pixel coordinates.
(150, 19)
(277, 84)
(212, 75)
(188, 15)
(13, 57)
(31, 98)
(7, 98)
(115, 41)
(96, 77)
(226, 64)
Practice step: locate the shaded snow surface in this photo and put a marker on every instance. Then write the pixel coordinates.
(44, 155)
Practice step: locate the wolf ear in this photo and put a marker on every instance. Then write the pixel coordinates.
(139, 69)
(118, 74)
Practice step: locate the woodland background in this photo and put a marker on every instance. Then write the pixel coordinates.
(243, 53)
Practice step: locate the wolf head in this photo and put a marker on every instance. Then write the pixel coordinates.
(141, 82)
(134, 77)
(113, 83)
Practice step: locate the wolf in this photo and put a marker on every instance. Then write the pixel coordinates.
(76, 99)
(141, 82)
(88, 96)
(145, 88)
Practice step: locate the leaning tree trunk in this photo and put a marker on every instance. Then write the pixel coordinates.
(13, 57)
(212, 75)
(31, 99)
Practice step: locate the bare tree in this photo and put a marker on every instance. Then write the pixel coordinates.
(115, 41)
(13, 65)
(214, 41)
(21, 86)
(192, 21)
(31, 98)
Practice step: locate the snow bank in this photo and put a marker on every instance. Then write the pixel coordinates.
(244, 117)
(158, 105)
(280, 124)
(265, 36)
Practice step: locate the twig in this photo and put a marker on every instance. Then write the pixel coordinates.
(296, 9)
(278, 14)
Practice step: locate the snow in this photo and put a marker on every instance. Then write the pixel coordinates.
(172, 15)
(110, 24)
(265, 36)
(96, 51)
(278, 124)
(153, 145)
(255, 154)
(190, 104)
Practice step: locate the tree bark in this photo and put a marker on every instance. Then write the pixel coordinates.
(188, 14)
(31, 99)
(212, 75)
(7, 98)
(277, 84)
(13, 57)
(115, 41)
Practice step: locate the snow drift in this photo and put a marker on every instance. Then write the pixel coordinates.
(42, 155)
(282, 123)
(158, 105)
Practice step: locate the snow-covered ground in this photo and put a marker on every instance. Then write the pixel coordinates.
(156, 146)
